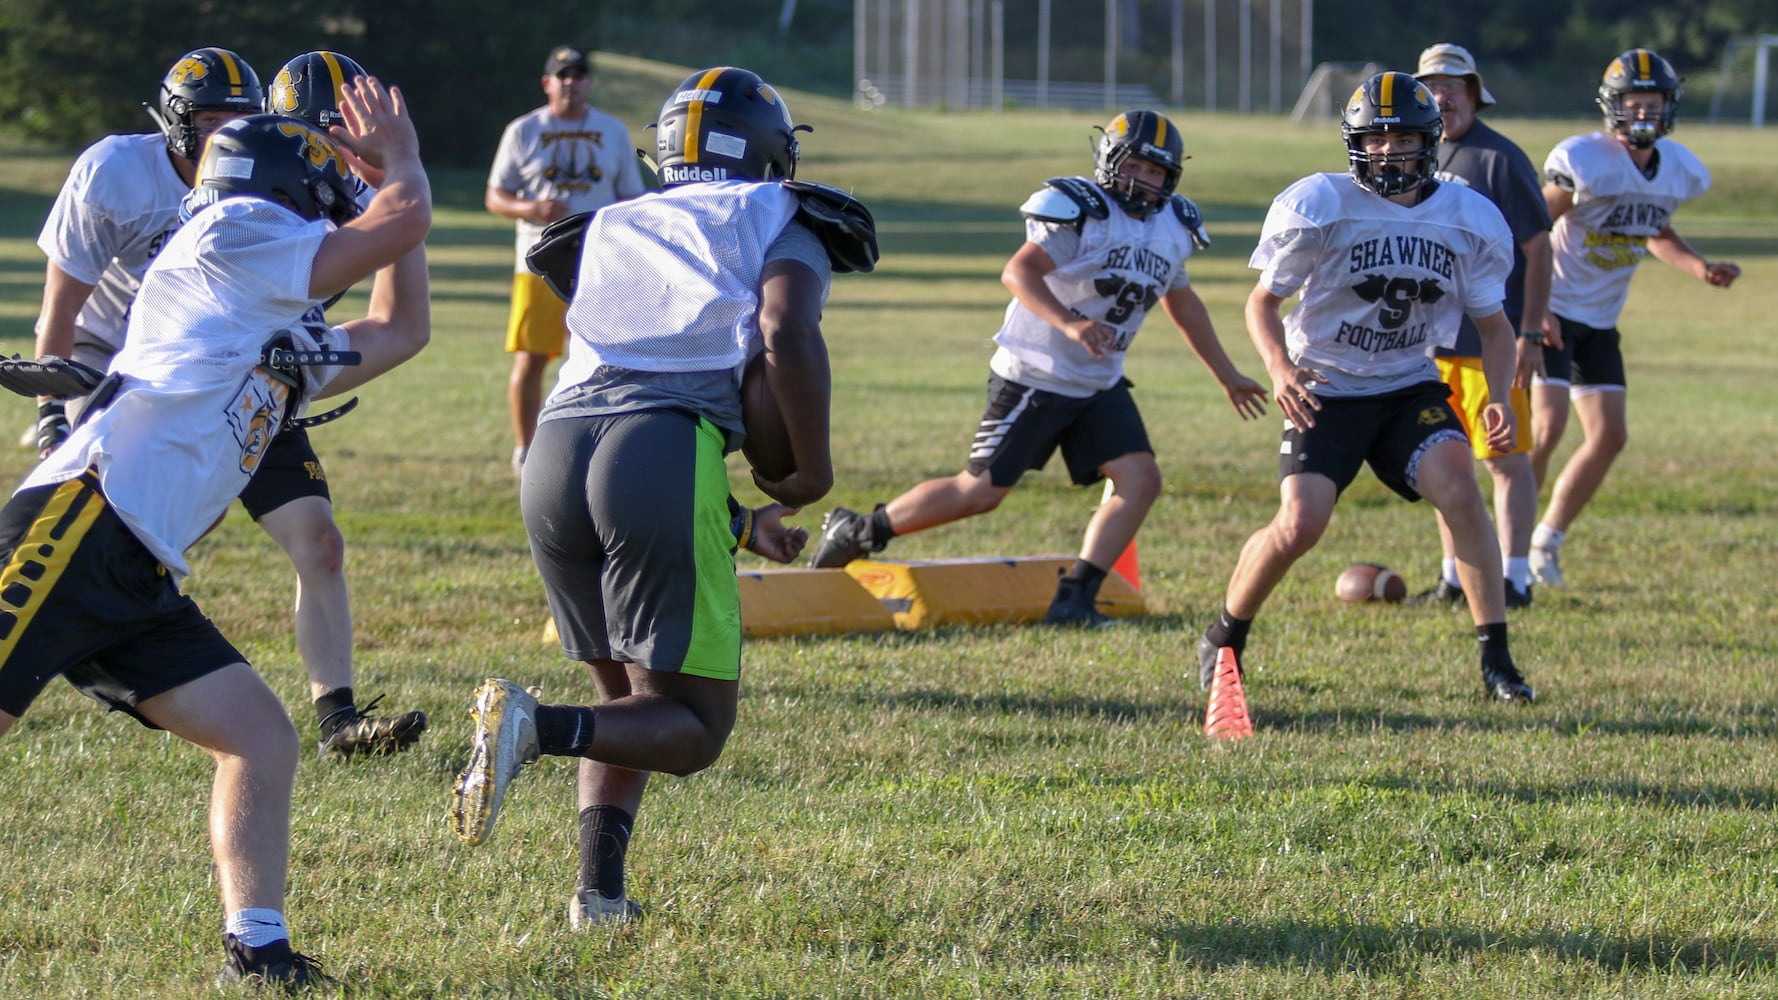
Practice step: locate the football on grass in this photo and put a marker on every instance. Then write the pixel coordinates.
(767, 447)
(1370, 582)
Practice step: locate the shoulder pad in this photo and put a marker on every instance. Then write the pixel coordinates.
(1193, 220)
(841, 222)
(555, 257)
(1067, 199)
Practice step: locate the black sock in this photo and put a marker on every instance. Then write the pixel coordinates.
(1493, 640)
(1229, 631)
(880, 530)
(1083, 570)
(336, 705)
(604, 840)
(564, 730)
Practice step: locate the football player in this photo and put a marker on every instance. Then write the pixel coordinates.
(95, 536)
(1613, 194)
(1099, 254)
(1388, 261)
(119, 206)
(625, 496)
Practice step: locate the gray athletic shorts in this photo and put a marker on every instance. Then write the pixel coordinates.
(628, 520)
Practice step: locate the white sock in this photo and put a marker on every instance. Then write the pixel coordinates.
(257, 928)
(1518, 570)
(1546, 537)
(1449, 569)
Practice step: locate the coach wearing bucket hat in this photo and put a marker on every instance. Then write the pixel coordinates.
(1476, 156)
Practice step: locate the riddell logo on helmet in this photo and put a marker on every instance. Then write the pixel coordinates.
(682, 174)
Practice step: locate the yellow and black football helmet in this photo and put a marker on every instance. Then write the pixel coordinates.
(280, 159)
(1145, 135)
(1392, 102)
(207, 79)
(310, 87)
(723, 124)
(1639, 71)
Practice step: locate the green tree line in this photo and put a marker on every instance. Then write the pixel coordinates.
(70, 72)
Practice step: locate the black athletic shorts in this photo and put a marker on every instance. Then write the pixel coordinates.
(289, 471)
(1589, 357)
(1391, 431)
(1022, 428)
(82, 597)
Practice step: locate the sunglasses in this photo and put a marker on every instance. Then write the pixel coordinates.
(572, 74)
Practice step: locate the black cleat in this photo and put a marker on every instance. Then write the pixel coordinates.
(363, 734)
(1505, 683)
(1071, 606)
(845, 536)
(1207, 663)
(1443, 593)
(1516, 598)
(274, 964)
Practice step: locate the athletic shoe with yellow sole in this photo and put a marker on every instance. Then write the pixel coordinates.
(505, 741)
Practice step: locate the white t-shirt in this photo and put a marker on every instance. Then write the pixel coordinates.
(1598, 242)
(195, 412)
(1114, 271)
(669, 282)
(115, 212)
(1383, 284)
(587, 162)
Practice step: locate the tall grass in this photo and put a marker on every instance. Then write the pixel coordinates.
(1000, 811)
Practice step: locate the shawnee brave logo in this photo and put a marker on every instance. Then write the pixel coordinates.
(1396, 296)
(254, 417)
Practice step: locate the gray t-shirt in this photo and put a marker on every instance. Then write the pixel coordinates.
(1489, 164)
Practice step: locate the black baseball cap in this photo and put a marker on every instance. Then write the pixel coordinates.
(566, 57)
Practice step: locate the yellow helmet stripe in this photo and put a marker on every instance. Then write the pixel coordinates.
(694, 114)
(1386, 94)
(338, 75)
(1160, 132)
(234, 73)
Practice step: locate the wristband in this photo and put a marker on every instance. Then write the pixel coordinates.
(742, 526)
(52, 424)
(1531, 335)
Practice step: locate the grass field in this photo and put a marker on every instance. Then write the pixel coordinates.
(1000, 811)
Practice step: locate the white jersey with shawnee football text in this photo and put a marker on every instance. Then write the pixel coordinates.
(1114, 271)
(195, 412)
(587, 162)
(670, 281)
(115, 212)
(1598, 242)
(1383, 284)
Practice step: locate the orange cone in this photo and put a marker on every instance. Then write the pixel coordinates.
(1126, 565)
(1226, 717)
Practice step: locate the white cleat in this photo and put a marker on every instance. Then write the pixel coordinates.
(1545, 569)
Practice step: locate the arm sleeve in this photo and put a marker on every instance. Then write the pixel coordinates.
(78, 236)
(1289, 248)
(266, 252)
(799, 243)
(504, 174)
(1521, 198)
(1058, 239)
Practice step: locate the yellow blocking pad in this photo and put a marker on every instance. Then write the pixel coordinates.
(776, 602)
(990, 591)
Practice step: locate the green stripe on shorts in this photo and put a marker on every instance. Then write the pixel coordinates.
(715, 647)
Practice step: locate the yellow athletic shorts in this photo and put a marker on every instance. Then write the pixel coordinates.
(539, 322)
(1469, 396)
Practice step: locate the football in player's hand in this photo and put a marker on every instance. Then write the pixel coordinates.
(1370, 582)
(767, 448)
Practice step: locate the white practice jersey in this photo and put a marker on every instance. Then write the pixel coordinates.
(115, 212)
(1383, 284)
(1113, 270)
(195, 412)
(587, 162)
(1598, 243)
(669, 282)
